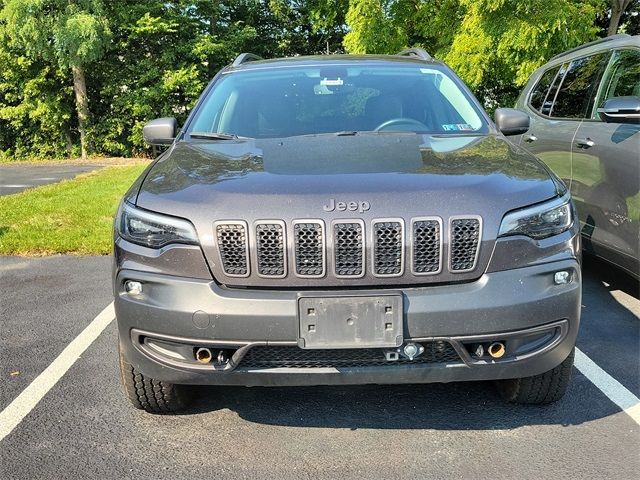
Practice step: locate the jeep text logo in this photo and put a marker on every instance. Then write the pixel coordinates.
(344, 206)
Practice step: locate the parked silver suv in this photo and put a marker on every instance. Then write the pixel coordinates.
(585, 124)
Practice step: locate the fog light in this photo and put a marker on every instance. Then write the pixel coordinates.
(133, 288)
(412, 350)
(562, 277)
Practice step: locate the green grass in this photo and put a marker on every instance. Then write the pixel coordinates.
(74, 216)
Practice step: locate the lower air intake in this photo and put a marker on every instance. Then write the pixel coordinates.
(437, 352)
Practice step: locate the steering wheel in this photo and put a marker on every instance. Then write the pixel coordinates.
(401, 121)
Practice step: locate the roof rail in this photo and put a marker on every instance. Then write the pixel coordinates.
(420, 53)
(595, 42)
(244, 58)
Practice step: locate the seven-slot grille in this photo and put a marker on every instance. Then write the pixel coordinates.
(307, 246)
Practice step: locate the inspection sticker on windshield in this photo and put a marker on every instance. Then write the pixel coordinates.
(456, 127)
(332, 82)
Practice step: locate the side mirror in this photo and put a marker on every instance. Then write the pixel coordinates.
(510, 121)
(161, 131)
(620, 110)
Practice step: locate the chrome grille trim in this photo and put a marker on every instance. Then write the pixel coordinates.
(420, 237)
(270, 252)
(234, 256)
(342, 246)
(461, 255)
(378, 256)
(297, 246)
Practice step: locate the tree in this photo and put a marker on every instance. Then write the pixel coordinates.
(617, 9)
(500, 43)
(72, 33)
(372, 29)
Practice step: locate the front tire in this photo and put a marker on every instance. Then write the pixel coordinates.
(548, 387)
(153, 396)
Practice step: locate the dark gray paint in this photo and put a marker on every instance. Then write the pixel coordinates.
(399, 176)
(403, 175)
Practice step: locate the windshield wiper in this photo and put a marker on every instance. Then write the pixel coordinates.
(215, 135)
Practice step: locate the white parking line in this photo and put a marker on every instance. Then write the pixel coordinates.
(13, 414)
(14, 186)
(614, 390)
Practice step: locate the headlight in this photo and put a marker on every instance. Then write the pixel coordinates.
(539, 221)
(152, 229)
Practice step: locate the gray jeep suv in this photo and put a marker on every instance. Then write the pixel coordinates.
(585, 111)
(344, 220)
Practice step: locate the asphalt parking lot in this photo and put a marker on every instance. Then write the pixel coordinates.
(16, 178)
(84, 427)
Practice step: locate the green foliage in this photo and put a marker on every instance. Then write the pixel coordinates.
(145, 59)
(372, 30)
(506, 40)
(74, 216)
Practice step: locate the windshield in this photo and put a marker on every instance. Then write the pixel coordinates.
(290, 101)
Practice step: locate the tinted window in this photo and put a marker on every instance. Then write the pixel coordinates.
(539, 93)
(281, 102)
(578, 87)
(622, 77)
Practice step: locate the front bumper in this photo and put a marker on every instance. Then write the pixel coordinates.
(537, 319)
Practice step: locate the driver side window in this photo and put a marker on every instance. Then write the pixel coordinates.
(621, 79)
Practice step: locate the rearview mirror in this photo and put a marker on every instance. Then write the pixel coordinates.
(510, 121)
(621, 110)
(160, 132)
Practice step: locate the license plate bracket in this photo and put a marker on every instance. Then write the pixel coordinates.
(350, 321)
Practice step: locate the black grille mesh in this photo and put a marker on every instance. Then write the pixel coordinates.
(294, 357)
(348, 249)
(309, 250)
(387, 248)
(465, 235)
(270, 249)
(232, 243)
(426, 246)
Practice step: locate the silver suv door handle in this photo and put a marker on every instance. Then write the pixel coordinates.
(585, 143)
(530, 138)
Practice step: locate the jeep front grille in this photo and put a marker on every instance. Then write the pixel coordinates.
(270, 249)
(348, 249)
(233, 248)
(309, 249)
(261, 357)
(465, 238)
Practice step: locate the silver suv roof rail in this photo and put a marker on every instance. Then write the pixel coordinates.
(244, 58)
(590, 44)
(420, 53)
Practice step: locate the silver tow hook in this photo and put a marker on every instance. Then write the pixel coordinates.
(410, 350)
